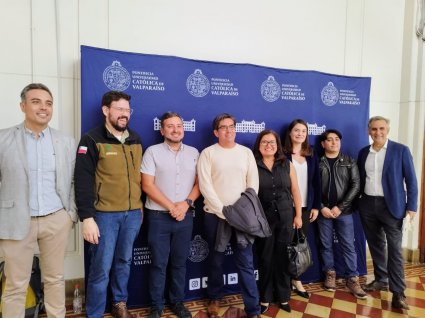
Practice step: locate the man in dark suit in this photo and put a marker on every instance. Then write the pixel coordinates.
(389, 193)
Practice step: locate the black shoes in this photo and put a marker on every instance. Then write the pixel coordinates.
(399, 301)
(155, 313)
(264, 308)
(304, 294)
(285, 307)
(180, 310)
(375, 286)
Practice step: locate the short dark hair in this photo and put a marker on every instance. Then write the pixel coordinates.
(31, 86)
(114, 96)
(326, 133)
(219, 118)
(278, 156)
(169, 114)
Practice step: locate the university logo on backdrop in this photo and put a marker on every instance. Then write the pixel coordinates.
(198, 85)
(272, 91)
(330, 95)
(116, 77)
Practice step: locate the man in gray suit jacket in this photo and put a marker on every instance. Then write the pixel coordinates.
(36, 202)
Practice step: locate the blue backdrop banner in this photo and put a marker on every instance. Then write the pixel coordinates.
(259, 97)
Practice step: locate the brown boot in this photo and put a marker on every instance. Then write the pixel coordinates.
(213, 308)
(119, 310)
(329, 283)
(354, 287)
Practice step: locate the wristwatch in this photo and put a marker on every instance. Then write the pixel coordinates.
(190, 203)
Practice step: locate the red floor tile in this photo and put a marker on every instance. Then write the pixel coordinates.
(368, 311)
(320, 300)
(341, 314)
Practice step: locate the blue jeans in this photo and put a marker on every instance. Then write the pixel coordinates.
(168, 240)
(344, 230)
(244, 262)
(111, 259)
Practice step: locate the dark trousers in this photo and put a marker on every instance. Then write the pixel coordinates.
(384, 234)
(305, 216)
(244, 262)
(169, 241)
(274, 279)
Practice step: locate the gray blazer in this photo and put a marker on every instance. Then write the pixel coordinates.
(14, 185)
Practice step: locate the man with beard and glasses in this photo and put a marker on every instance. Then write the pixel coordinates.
(108, 197)
(170, 182)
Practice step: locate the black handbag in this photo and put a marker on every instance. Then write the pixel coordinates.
(299, 254)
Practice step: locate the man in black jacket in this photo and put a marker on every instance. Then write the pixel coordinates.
(340, 186)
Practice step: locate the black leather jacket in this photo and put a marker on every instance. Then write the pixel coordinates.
(347, 181)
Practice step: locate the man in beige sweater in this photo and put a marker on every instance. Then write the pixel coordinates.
(225, 170)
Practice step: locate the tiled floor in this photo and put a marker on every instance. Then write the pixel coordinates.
(338, 304)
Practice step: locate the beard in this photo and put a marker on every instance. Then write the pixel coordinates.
(169, 141)
(117, 126)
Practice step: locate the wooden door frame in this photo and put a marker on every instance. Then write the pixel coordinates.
(422, 209)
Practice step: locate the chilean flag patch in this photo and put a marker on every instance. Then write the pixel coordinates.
(82, 150)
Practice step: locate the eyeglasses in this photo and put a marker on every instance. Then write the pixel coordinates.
(224, 127)
(124, 110)
(268, 142)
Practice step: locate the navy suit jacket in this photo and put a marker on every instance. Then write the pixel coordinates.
(398, 170)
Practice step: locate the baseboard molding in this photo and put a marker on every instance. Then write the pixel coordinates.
(410, 255)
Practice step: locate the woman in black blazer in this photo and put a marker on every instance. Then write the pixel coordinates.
(298, 150)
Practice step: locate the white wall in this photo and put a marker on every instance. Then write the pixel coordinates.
(40, 42)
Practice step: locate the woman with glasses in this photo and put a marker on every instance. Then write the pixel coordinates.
(280, 196)
(300, 153)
